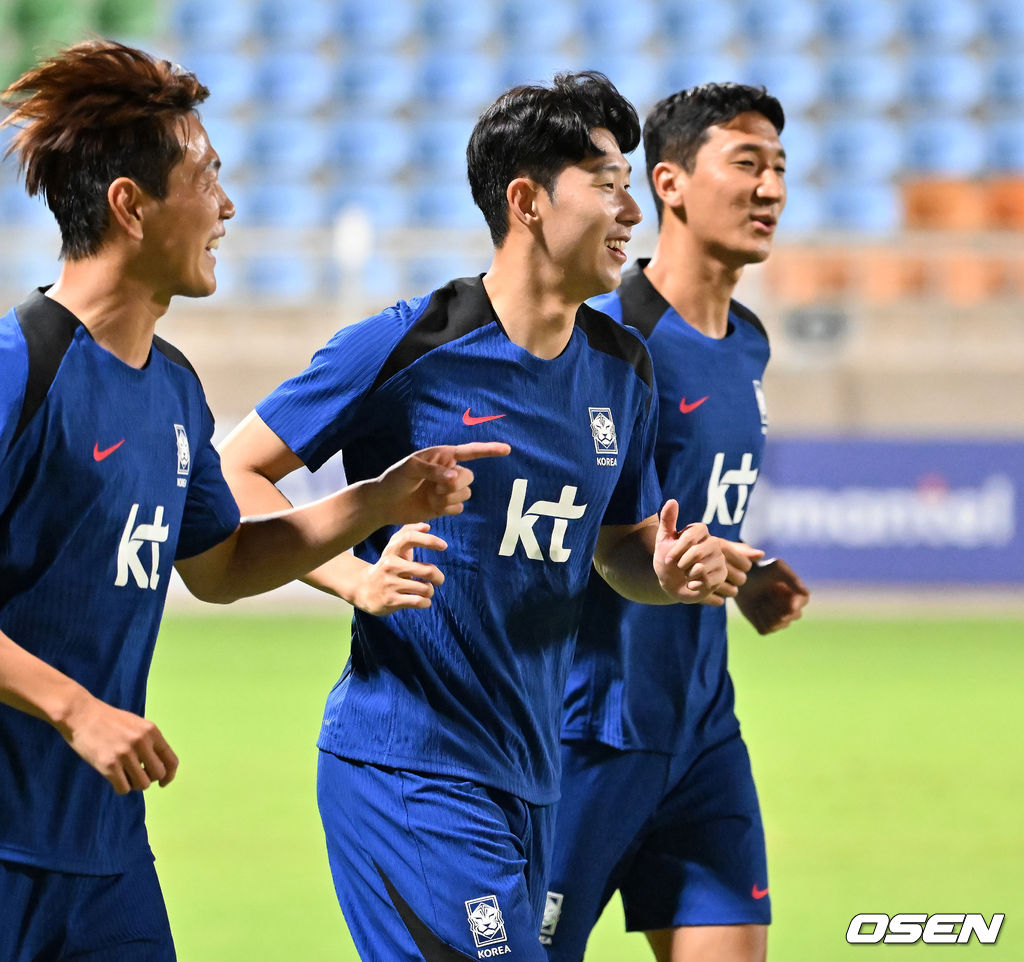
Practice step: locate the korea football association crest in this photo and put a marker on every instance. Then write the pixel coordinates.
(487, 925)
(602, 427)
(184, 456)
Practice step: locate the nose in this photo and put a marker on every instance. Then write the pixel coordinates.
(630, 214)
(771, 186)
(227, 206)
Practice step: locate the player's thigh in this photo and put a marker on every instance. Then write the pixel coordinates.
(607, 797)
(722, 943)
(702, 862)
(430, 867)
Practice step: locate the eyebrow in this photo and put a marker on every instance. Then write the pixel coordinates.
(757, 148)
(612, 167)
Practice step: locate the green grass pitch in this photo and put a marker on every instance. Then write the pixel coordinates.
(888, 756)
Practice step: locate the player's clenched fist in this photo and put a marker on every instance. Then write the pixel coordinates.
(690, 564)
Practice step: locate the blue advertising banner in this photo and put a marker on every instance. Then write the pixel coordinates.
(876, 512)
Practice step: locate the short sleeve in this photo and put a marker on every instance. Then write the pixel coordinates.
(320, 410)
(211, 514)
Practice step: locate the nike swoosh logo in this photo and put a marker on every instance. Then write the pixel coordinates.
(98, 455)
(468, 418)
(687, 408)
(758, 893)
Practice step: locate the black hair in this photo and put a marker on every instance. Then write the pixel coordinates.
(537, 131)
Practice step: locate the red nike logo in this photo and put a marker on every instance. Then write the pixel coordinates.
(758, 893)
(98, 455)
(687, 408)
(468, 418)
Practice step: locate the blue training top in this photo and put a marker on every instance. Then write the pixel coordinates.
(107, 475)
(472, 686)
(655, 678)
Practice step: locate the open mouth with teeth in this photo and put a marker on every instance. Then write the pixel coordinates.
(618, 247)
(212, 246)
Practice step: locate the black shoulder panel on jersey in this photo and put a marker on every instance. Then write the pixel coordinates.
(452, 312)
(173, 355)
(642, 305)
(746, 314)
(48, 329)
(607, 336)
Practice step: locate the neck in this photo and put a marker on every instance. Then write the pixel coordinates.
(532, 302)
(118, 311)
(695, 282)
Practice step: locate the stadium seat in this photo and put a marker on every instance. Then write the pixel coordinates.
(870, 207)
(942, 24)
(371, 149)
(459, 81)
(294, 80)
(376, 81)
(439, 145)
(457, 24)
(534, 66)
(230, 76)
(618, 27)
(387, 205)
(803, 213)
(532, 26)
(431, 271)
(221, 26)
(867, 82)
(448, 204)
(230, 138)
(1004, 151)
(285, 24)
(859, 25)
(795, 78)
(292, 204)
(944, 146)
(946, 81)
(781, 27)
(696, 26)
(684, 71)
(801, 139)
(284, 277)
(1003, 22)
(376, 25)
(289, 146)
(1006, 81)
(865, 147)
(631, 74)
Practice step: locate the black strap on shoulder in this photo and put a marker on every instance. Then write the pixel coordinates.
(48, 329)
(642, 305)
(746, 314)
(606, 336)
(173, 354)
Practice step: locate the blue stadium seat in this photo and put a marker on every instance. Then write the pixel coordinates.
(680, 73)
(370, 148)
(865, 147)
(796, 79)
(618, 26)
(230, 75)
(289, 146)
(944, 146)
(375, 25)
(1004, 151)
(387, 205)
(458, 24)
(864, 81)
(294, 80)
(1003, 22)
(803, 213)
(295, 204)
(448, 204)
(534, 66)
(946, 81)
(631, 74)
(801, 139)
(530, 26)
(859, 25)
(459, 81)
(942, 24)
(285, 24)
(230, 139)
(221, 26)
(696, 26)
(284, 277)
(870, 207)
(376, 81)
(782, 26)
(431, 271)
(1006, 81)
(439, 145)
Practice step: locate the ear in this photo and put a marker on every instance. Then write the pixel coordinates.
(522, 201)
(670, 181)
(127, 201)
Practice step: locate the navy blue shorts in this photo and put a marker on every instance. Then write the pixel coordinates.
(46, 916)
(431, 867)
(681, 839)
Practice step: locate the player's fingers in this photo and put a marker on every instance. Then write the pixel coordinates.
(667, 519)
(403, 543)
(170, 760)
(473, 450)
(117, 778)
(137, 777)
(151, 762)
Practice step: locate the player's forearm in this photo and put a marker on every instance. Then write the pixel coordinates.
(626, 563)
(31, 685)
(341, 577)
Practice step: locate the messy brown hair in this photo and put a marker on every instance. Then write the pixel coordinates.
(92, 113)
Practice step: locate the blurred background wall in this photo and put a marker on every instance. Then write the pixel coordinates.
(893, 296)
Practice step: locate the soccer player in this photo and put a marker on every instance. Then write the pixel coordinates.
(107, 477)
(439, 747)
(658, 800)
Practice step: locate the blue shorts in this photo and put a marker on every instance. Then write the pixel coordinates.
(681, 839)
(430, 867)
(46, 916)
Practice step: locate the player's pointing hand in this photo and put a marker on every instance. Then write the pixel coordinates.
(432, 482)
(690, 564)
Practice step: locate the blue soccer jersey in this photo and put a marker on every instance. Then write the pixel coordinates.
(472, 686)
(655, 678)
(107, 474)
